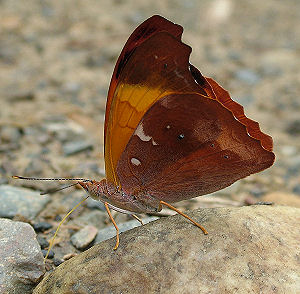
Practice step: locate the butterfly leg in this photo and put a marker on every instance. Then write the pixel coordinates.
(114, 223)
(137, 218)
(184, 215)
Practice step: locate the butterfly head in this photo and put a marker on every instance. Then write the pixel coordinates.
(93, 188)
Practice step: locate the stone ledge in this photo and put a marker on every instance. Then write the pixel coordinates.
(253, 249)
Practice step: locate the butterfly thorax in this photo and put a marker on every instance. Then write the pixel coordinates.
(105, 191)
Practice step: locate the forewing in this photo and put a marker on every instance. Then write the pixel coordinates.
(156, 67)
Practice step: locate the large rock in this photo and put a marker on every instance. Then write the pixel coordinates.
(21, 259)
(110, 232)
(248, 250)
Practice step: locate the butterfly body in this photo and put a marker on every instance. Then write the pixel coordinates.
(119, 200)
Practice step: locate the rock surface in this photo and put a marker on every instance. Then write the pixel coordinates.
(21, 260)
(21, 201)
(248, 250)
(110, 232)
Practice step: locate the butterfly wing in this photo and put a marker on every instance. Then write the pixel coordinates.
(154, 63)
(171, 132)
(189, 145)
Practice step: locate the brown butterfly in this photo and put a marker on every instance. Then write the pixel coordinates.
(170, 133)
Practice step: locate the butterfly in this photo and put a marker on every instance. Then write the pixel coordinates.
(171, 133)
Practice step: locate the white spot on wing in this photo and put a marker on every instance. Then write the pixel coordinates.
(135, 161)
(141, 134)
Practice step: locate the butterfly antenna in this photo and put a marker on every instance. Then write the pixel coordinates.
(59, 225)
(51, 191)
(49, 179)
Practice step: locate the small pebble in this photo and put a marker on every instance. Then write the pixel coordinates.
(35, 167)
(247, 76)
(250, 200)
(296, 189)
(42, 241)
(44, 139)
(64, 131)
(288, 150)
(21, 95)
(10, 134)
(31, 131)
(69, 256)
(42, 226)
(21, 201)
(71, 88)
(257, 191)
(8, 147)
(50, 255)
(72, 148)
(234, 55)
(57, 261)
(84, 237)
(294, 127)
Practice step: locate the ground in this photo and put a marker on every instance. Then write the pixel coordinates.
(57, 57)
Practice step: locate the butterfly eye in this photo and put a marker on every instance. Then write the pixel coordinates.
(165, 66)
(226, 156)
(212, 145)
(181, 136)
